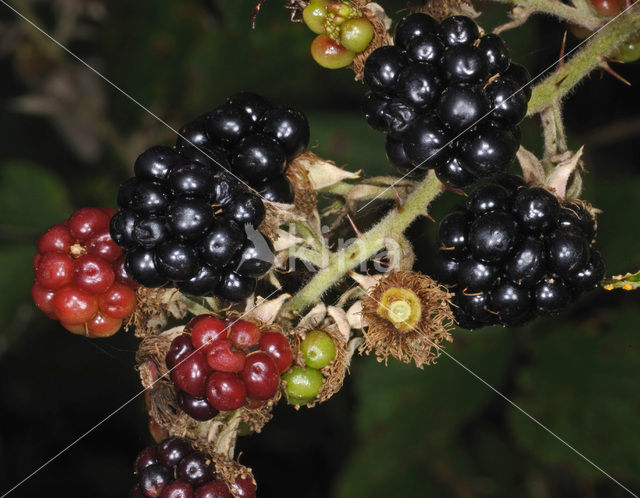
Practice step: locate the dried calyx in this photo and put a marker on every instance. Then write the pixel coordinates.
(407, 316)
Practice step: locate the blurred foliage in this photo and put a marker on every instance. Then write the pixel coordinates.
(68, 139)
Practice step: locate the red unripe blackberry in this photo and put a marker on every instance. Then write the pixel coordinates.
(54, 270)
(103, 325)
(73, 306)
(277, 346)
(261, 376)
(190, 374)
(205, 329)
(87, 221)
(76, 268)
(244, 334)
(222, 357)
(92, 274)
(226, 391)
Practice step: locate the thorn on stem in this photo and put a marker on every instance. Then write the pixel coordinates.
(562, 49)
(457, 191)
(429, 217)
(560, 81)
(398, 200)
(355, 228)
(608, 69)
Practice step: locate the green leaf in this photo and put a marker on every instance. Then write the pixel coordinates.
(31, 198)
(407, 417)
(583, 385)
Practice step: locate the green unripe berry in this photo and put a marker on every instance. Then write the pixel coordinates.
(356, 34)
(300, 401)
(303, 384)
(314, 15)
(318, 349)
(629, 51)
(330, 54)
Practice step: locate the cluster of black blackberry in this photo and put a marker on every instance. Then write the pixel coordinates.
(173, 469)
(432, 93)
(513, 252)
(189, 217)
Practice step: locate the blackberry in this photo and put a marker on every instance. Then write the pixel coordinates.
(289, 127)
(189, 217)
(513, 252)
(450, 99)
(173, 468)
(227, 124)
(453, 174)
(258, 158)
(277, 190)
(221, 365)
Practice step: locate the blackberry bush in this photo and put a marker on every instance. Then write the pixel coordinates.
(448, 99)
(192, 236)
(514, 252)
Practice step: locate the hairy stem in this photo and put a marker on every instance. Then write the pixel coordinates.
(582, 15)
(603, 43)
(392, 225)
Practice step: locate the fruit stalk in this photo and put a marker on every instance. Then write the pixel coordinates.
(392, 225)
(603, 43)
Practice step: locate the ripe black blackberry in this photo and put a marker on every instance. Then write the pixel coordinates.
(174, 468)
(184, 218)
(513, 252)
(256, 139)
(437, 82)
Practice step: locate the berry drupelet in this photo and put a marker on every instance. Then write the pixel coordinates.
(514, 252)
(174, 469)
(190, 215)
(217, 366)
(448, 98)
(79, 278)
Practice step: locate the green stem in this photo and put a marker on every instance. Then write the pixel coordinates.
(603, 43)
(392, 225)
(585, 17)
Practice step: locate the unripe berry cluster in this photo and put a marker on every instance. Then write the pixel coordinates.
(184, 218)
(304, 383)
(342, 31)
(80, 275)
(448, 99)
(217, 366)
(173, 469)
(513, 252)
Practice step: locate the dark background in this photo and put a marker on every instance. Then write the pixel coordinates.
(67, 139)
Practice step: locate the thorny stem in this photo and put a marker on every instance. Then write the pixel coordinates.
(582, 15)
(603, 43)
(392, 225)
